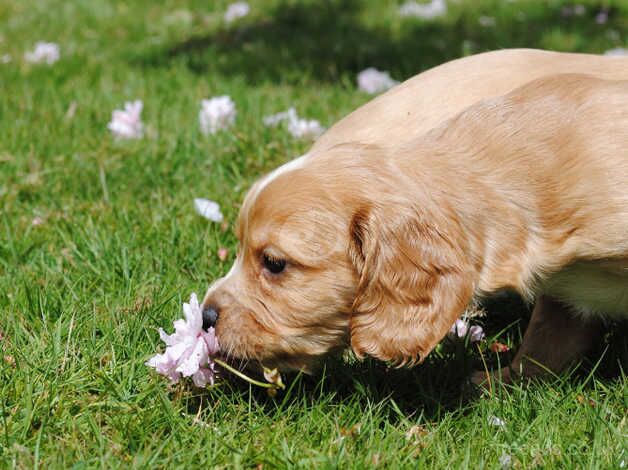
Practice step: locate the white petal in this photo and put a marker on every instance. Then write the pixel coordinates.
(374, 81)
(216, 114)
(182, 330)
(176, 351)
(236, 10)
(459, 329)
(197, 357)
(44, 52)
(487, 21)
(202, 377)
(305, 129)
(505, 461)
(424, 10)
(193, 315)
(274, 119)
(208, 209)
(127, 123)
(476, 333)
(617, 52)
(164, 365)
(166, 338)
(212, 342)
(495, 421)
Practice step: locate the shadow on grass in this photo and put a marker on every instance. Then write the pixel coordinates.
(324, 40)
(437, 386)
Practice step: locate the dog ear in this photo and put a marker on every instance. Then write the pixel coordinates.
(414, 281)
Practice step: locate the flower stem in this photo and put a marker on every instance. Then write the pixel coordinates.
(243, 376)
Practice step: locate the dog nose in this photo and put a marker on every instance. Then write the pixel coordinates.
(210, 316)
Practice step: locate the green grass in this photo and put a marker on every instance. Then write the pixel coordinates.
(82, 294)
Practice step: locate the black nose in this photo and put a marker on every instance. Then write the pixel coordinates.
(210, 315)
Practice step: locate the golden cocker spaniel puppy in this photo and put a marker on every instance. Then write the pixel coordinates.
(470, 178)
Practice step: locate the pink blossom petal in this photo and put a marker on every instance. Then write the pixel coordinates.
(127, 123)
(459, 329)
(476, 333)
(193, 314)
(216, 114)
(203, 376)
(166, 338)
(194, 359)
(164, 366)
(211, 341)
(222, 254)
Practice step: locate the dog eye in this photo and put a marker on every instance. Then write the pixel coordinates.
(274, 265)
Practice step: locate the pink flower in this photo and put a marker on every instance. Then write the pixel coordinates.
(127, 123)
(37, 221)
(461, 329)
(476, 333)
(189, 350)
(223, 253)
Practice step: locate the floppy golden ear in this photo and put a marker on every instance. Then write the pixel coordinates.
(414, 282)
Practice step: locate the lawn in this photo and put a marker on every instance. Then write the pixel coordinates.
(100, 244)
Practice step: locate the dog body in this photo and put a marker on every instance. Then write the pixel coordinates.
(419, 104)
(382, 243)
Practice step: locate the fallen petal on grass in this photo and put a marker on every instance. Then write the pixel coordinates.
(216, 114)
(616, 52)
(236, 11)
(309, 129)
(275, 119)
(208, 209)
(300, 128)
(495, 421)
(43, 53)
(505, 461)
(374, 81)
(127, 123)
(427, 11)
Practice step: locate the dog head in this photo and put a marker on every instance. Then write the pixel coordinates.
(339, 248)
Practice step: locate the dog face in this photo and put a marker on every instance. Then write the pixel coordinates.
(325, 261)
(287, 299)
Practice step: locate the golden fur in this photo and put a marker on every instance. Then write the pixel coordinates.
(386, 241)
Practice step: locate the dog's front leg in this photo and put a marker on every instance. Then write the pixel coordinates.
(554, 339)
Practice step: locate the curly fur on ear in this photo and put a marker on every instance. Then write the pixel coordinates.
(414, 281)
